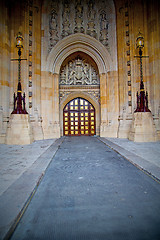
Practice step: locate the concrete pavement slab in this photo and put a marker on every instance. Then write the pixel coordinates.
(15, 199)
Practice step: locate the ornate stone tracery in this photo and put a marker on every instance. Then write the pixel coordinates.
(78, 72)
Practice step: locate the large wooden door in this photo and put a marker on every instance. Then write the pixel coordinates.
(79, 118)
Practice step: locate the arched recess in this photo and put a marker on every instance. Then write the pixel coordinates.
(89, 98)
(83, 43)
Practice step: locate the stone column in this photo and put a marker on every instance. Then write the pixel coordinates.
(55, 105)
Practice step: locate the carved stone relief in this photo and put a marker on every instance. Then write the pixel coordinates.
(90, 17)
(78, 72)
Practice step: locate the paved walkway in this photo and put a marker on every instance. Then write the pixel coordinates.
(145, 156)
(15, 160)
(27, 165)
(90, 192)
(22, 168)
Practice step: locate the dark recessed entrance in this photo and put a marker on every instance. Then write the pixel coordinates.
(79, 118)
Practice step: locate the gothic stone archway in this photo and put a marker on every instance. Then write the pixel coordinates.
(106, 63)
(79, 74)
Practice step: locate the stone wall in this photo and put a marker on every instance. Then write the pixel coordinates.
(5, 68)
(105, 31)
(133, 16)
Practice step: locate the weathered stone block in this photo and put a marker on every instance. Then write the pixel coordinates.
(19, 131)
(143, 128)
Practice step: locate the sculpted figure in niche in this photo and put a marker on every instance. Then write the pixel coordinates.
(79, 18)
(86, 79)
(66, 24)
(53, 22)
(53, 29)
(79, 9)
(94, 77)
(91, 16)
(63, 76)
(103, 22)
(91, 12)
(103, 28)
(71, 75)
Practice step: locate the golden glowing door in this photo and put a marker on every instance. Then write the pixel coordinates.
(79, 118)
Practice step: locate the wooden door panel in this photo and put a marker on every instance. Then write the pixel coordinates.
(79, 118)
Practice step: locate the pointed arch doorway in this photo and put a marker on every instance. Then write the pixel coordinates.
(79, 118)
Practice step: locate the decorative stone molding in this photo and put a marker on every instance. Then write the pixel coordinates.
(63, 94)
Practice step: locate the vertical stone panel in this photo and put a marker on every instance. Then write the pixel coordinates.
(103, 99)
(153, 20)
(4, 69)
